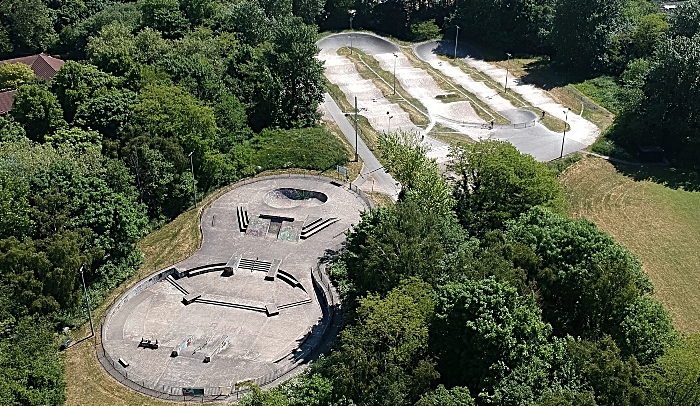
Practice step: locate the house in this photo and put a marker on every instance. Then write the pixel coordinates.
(44, 66)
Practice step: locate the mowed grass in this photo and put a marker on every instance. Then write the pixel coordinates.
(661, 225)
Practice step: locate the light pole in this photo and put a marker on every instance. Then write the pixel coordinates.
(395, 58)
(356, 160)
(351, 37)
(388, 130)
(194, 187)
(566, 123)
(87, 301)
(456, 36)
(352, 15)
(505, 85)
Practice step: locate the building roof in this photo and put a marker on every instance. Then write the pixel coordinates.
(44, 66)
(6, 101)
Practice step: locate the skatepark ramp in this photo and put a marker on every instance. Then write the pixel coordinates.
(315, 226)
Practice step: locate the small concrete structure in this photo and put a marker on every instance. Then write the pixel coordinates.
(271, 310)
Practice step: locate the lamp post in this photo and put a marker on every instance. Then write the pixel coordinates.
(456, 36)
(87, 301)
(356, 159)
(352, 15)
(566, 123)
(351, 37)
(388, 130)
(395, 58)
(194, 187)
(505, 85)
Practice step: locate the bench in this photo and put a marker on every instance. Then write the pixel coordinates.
(148, 343)
(271, 310)
(272, 272)
(191, 298)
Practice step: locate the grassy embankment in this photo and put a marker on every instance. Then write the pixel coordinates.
(86, 381)
(653, 212)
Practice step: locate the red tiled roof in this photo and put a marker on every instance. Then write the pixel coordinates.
(43, 65)
(6, 100)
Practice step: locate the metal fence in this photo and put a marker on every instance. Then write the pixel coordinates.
(319, 341)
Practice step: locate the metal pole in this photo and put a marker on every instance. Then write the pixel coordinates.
(87, 301)
(566, 123)
(194, 187)
(505, 85)
(350, 40)
(395, 58)
(356, 159)
(456, 37)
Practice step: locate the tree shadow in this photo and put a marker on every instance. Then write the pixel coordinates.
(674, 177)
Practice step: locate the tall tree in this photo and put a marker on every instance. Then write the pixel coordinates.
(28, 26)
(165, 16)
(494, 182)
(38, 110)
(77, 83)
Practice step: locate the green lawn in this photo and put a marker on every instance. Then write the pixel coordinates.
(659, 223)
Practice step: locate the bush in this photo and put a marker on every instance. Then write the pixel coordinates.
(312, 148)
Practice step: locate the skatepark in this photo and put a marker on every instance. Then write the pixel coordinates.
(250, 305)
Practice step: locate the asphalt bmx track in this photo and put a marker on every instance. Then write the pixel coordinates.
(252, 304)
(525, 132)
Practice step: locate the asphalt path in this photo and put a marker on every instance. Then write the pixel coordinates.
(373, 176)
(535, 140)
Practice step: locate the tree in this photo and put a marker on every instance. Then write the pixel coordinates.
(457, 396)
(392, 244)
(109, 113)
(382, 359)
(28, 25)
(686, 20)
(308, 10)
(675, 377)
(483, 330)
(494, 183)
(76, 83)
(14, 206)
(420, 177)
(231, 120)
(38, 110)
(293, 62)
(589, 284)
(14, 75)
(10, 130)
(165, 16)
(425, 30)
(584, 32)
(247, 19)
(648, 33)
(78, 138)
(113, 49)
(646, 331)
(276, 9)
(199, 12)
(31, 370)
(150, 46)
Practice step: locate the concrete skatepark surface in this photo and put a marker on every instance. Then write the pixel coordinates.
(258, 344)
(535, 140)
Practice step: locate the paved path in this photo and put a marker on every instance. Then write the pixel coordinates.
(535, 140)
(373, 176)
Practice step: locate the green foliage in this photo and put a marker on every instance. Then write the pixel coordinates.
(165, 16)
(109, 113)
(395, 243)
(490, 319)
(75, 84)
(584, 33)
(648, 33)
(604, 90)
(38, 111)
(382, 358)
(14, 75)
(247, 19)
(419, 176)
(113, 49)
(495, 183)
(425, 30)
(686, 20)
(589, 284)
(675, 377)
(14, 206)
(10, 130)
(27, 26)
(457, 396)
(31, 370)
(79, 139)
(308, 10)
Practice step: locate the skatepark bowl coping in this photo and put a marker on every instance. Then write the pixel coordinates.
(252, 304)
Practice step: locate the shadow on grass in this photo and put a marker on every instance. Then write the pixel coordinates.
(669, 176)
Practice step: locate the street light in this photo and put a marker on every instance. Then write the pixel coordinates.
(87, 301)
(352, 15)
(194, 188)
(356, 159)
(351, 37)
(566, 123)
(456, 36)
(395, 58)
(505, 85)
(388, 130)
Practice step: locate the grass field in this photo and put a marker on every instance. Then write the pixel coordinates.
(660, 224)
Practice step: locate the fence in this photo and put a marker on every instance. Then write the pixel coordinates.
(318, 342)
(488, 126)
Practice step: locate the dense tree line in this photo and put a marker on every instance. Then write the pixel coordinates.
(527, 308)
(93, 160)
